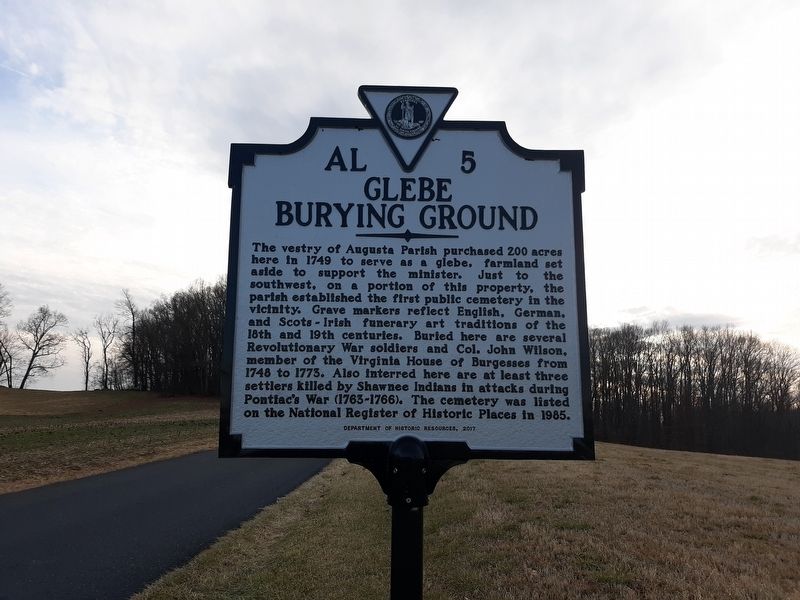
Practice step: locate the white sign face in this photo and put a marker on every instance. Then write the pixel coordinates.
(373, 301)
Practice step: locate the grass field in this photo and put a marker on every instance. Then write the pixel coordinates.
(637, 523)
(53, 436)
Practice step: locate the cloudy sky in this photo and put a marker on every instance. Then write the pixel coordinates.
(116, 120)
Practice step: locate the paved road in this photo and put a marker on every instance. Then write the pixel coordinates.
(106, 537)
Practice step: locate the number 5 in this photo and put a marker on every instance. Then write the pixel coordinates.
(467, 161)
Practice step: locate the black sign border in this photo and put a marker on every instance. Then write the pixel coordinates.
(242, 155)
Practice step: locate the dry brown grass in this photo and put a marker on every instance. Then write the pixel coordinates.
(637, 523)
(54, 436)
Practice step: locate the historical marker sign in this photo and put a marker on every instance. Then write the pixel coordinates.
(406, 275)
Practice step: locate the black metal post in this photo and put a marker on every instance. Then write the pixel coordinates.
(407, 476)
(408, 466)
(406, 577)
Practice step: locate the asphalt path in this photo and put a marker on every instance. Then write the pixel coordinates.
(108, 536)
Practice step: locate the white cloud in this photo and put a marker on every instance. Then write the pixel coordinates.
(116, 121)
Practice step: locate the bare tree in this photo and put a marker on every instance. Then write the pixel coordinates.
(129, 350)
(5, 304)
(8, 345)
(9, 353)
(84, 343)
(783, 376)
(106, 326)
(40, 335)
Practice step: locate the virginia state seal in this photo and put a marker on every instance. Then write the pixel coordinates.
(408, 116)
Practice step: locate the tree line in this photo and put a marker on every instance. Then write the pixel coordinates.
(705, 389)
(172, 346)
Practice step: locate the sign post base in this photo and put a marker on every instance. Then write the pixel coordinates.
(407, 475)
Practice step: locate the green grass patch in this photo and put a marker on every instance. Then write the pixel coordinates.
(52, 436)
(615, 578)
(113, 435)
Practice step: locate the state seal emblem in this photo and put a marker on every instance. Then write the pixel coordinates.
(408, 116)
